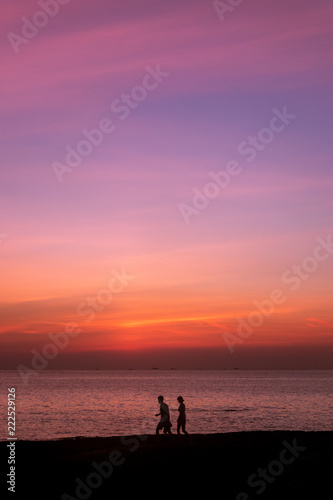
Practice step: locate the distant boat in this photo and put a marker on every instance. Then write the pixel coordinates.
(154, 368)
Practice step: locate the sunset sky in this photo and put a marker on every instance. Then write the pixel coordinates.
(166, 174)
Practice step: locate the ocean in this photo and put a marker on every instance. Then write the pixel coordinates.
(62, 404)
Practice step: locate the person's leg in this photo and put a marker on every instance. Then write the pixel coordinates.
(159, 427)
(167, 428)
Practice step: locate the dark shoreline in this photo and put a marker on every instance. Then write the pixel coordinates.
(239, 466)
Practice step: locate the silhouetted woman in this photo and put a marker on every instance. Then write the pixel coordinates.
(181, 421)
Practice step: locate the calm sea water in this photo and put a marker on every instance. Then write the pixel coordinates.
(111, 403)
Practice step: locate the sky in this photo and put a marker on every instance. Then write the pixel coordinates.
(166, 194)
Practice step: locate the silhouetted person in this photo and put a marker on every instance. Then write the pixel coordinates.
(164, 422)
(181, 421)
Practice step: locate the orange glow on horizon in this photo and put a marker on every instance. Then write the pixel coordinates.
(229, 121)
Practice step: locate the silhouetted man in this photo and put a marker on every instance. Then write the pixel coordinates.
(164, 422)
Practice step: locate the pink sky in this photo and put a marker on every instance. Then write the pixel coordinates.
(119, 209)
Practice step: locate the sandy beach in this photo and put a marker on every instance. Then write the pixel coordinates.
(240, 466)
